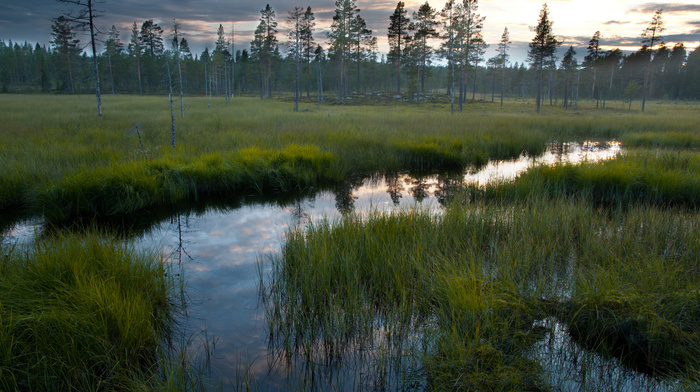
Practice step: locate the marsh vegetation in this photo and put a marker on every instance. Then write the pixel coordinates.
(464, 294)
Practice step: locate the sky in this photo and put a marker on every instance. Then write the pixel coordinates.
(620, 22)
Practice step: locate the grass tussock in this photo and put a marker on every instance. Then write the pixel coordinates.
(80, 313)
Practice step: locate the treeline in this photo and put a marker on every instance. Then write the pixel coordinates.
(431, 52)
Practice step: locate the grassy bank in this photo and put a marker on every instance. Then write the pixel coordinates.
(81, 312)
(57, 153)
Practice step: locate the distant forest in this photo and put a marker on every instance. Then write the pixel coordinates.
(432, 52)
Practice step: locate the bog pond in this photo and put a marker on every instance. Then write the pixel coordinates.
(224, 252)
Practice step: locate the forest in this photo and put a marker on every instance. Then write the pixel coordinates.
(432, 52)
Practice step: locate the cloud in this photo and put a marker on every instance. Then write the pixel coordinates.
(615, 22)
(668, 8)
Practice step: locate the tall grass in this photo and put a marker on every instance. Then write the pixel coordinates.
(662, 178)
(81, 312)
(473, 282)
(51, 144)
(135, 186)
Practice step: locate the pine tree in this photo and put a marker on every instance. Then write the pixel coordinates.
(592, 59)
(113, 48)
(399, 37)
(220, 58)
(177, 52)
(307, 44)
(425, 26)
(67, 45)
(294, 20)
(264, 46)
(502, 61)
(542, 48)
(135, 50)
(650, 37)
(473, 44)
(570, 65)
(675, 66)
(151, 38)
(341, 40)
(363, 43)
(451, 27)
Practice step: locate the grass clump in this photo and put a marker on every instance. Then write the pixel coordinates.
(80, 313)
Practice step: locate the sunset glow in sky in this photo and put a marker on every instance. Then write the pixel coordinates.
(620, 22)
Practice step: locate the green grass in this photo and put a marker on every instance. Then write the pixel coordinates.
(55, 147)
(81, 312)
(608, 249)
(647, 177)
(473, 281)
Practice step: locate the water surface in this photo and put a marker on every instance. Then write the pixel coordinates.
(223, 253)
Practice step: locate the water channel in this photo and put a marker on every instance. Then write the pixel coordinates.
(223, 252)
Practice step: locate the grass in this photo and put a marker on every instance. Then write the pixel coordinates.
(608, 249)
(475, 280)
(81, 312)
(51, 154)
(648, 177)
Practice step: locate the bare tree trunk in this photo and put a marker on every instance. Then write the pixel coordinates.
(320, 85)
(111, 74)
(70, 74)
(539, 85)
(170, 98)
(646, 85)
(182, 99)
(503, 81)
(138, 72)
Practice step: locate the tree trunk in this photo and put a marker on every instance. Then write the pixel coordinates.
(539, 85)
(94, 59)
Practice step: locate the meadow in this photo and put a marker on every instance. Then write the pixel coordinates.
(63, 163)
(608, 249)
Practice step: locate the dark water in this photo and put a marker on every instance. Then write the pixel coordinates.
(223, 252)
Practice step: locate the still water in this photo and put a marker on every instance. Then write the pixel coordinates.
(224, 252)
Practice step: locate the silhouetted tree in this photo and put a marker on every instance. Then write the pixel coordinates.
(502, 59)
(569, 65)
(264, 46)
(650, 37)
(399, 37)
(542, 48)
(67, 45)
(85, 20)
(307, 44)
(342, 39)
(425, 23)
(135, 50)
(294, 20)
